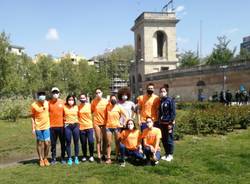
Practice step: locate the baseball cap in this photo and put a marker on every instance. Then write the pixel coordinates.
(55, 89)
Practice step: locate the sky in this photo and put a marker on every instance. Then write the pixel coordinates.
(89, 27)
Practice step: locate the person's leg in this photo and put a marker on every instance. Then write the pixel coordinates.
(83, 140)
(170, 141)
(147, 152)
(39, 147)
(62, 142)
(116, 132)
(90, 136)
(98, 140)
(164, 139)
(122, 151)
(76, 139)
(109, 142)
(68, 134)
(136, 154)
(53, 137)
(104, 141)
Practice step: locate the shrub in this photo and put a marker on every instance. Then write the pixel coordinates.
(12, 109)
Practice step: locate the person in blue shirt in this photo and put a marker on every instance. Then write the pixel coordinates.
(167, 115)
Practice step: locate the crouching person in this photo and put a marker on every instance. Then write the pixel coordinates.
(151, 137)
(130, 144)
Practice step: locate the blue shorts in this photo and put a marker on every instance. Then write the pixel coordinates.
(43, 135)
(112, 130)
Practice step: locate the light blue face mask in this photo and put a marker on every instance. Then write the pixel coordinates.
(41, 97)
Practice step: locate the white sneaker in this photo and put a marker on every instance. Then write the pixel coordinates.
(156, 162)
(164, 157)
(169, 158)
(84, 159)
(91, 159)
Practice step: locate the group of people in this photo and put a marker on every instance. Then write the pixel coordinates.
(110, 120)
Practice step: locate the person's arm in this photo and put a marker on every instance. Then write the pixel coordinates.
(173, 111)
(157, 143)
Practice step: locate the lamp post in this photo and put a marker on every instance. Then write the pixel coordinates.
(224, 76)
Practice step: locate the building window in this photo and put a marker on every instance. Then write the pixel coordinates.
(139, 78)
(160, 44)
(138, 48)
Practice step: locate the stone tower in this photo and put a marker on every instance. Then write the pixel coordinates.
(155, 46)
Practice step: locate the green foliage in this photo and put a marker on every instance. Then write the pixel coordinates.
(19, 76)
(213, 119)
(12, 109)
(189, 59)
(221, 53)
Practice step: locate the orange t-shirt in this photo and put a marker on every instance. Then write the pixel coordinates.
(70, 114)
(40, 112)
(114, 114)
(151, 135)
(85, 117)
(149, 106)
(56, 113)
(98, 107)
(131, 139)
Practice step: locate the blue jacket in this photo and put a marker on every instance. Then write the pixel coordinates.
(167, 110)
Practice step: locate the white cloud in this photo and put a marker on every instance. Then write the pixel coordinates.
(179, 9)
(52, 34)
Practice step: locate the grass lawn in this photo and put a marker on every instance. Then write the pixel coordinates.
(16, 140)
(211, 159)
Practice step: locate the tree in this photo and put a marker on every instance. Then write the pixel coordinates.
(188, 59)
(221, 53)
(244, 55)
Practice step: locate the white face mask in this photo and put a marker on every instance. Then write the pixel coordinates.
(124, 97)
(41, 98)
(163, 94)
(131, 127)
(150, 124)
(99, 95)
(71, 102)
(56, 95)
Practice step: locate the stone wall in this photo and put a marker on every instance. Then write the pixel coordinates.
(185, 82)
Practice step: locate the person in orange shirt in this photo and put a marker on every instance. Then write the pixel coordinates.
(71, 125)
(148, 106)
(40, 127)
(98, 106)
(56, 106)
(130, 144)
(151, 137)
(86, 128)
(114, 112)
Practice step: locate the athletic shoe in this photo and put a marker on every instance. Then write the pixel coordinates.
(169, 158)
(63, 161)
(53, 162)
(156, 162)
(46, 162)
(84, 159)
(41, 163)
(164, 157)
(123, 164)
(70, 161)
(76, 161)
(91, 159)
(108, 161)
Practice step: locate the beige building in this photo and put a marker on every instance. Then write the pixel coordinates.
(18, 50)
(155, 46)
